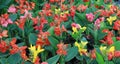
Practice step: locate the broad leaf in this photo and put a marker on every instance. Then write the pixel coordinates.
(53, 60)
(53, 41)
(14, 59)
(99, 58)
(32, 38)
(72, 52)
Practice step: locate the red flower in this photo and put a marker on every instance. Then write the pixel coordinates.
(35, 20)
(47, 6)
(116, 25)
(14, 50)
(43, 20)
(3, 47)
(118, 38)
(57, 31)
(108, 38)
(93, 55)
(85, 0)
(52, 1)
(37, 60)
(117, 53)
(61, 49)
(110, 56)
(23, 52)
(81, 8)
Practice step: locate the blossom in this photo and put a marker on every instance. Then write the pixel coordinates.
(23, 52)
(4, 34)
(116, 25)
(35, 51)
(61, 49)
(102, 48)
(98, 21)
(93, 55)
(117, 54)
(3, 46)
(57, 30)
(44, 63)
(111, 49)
(81, 8)
(12, 9)
(85, 0)
(81, 47)
(90, 17)
(5, 20)
(111, 19)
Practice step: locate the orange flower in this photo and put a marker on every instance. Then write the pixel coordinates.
(3, 46)
(116, 25)
(93, 55)
(4, 34)
(23, 52)
(61, 49)
(57, 31)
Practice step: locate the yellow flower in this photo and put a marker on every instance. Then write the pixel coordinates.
(74, 29)
(102, 48)
(81, 47)
(83, 44)
(83, 28)
(112, 49)
(66, 12)
(57, 11)
(35, 51)
(111, 19)
(77, 44)
(82, 51)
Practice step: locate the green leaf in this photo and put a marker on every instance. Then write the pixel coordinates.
(4, 3)
(53, 41)
(14, 59)
(117, 45)
(53, 60)
(51, 30)
(72, 52)
(13, 17)
(2, 61)
(32, 38)
(99, 58)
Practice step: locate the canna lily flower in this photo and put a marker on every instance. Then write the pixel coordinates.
(75, 27)
(102, 48)
(81, 47)
(12, 9)
(4, 34)
(57, 11)
(90, 17)
(111, 52)
(111, 49)
(111, 19)
(35, 51)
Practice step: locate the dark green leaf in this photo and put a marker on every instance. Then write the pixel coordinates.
(53, 41)
(13, 17)
(72, 52)
(32, 38)
(14, 59)
(53, 60)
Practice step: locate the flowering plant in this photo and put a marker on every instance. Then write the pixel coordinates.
(59, 32)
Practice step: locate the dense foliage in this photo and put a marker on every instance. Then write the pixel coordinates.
(59, 32)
